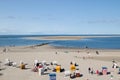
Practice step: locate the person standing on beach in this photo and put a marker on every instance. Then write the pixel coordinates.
(5, 50)
(97, 52)
(55, 52)
(89, 70)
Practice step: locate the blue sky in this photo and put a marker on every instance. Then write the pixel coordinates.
(59, 16)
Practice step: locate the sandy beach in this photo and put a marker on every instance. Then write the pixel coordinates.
(47, 53)
(85, 58)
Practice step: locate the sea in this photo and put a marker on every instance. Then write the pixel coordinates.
(111, 42)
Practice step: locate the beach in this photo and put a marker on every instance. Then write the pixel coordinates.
(85, 58)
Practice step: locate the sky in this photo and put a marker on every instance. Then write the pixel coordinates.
(59, 17)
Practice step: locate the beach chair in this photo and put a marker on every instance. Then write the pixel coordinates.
(7, 62)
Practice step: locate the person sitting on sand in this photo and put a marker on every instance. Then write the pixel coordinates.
(58, 68)
(22, 65)
(72, 67)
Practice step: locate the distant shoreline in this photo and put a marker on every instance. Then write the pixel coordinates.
(63, 37)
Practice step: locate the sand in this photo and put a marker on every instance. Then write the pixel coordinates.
(62, 37)
(64, 56)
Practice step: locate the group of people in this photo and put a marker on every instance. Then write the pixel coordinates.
(40, 66)
(8, 62)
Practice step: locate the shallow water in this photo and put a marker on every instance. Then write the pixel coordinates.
(95, 43)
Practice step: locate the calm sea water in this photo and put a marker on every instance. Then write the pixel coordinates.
(101, 42)
(96, 43)
(18, 40)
